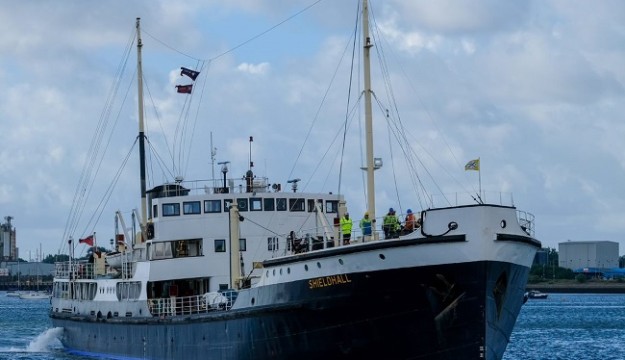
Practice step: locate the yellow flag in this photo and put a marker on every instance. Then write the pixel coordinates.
(473, 165)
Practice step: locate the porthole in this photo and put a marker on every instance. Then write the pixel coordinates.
(280, 271)
(253, 301)
(306, 267)
(503, 224)
(341, 261)
(274, 272)
(382, 257)
(267, 275)
(319, 265)
(288, 270)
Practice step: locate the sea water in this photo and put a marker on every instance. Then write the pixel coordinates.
(563, 326)
(570, 326)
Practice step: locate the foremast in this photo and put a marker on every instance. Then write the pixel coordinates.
(368, 115)
(144, 212)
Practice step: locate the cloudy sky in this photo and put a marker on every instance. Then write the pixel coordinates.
(535, 89)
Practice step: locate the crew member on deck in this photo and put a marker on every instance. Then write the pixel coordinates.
(365, 226)
(411, 223)
(346, 228)
(391, 225)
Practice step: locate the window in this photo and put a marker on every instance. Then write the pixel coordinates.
(242, 204)
(186, 248)
(296, 204)
(281, 204)
(220, 245)
(242, 244)
(161, 250)
(332, 206)
(270, 204)
(191, 207)
(272, 243)
(171, 209)
(212, 206)
(227, 203)
(256, 204)
(311, 205)
(155, 211)
(128, 290)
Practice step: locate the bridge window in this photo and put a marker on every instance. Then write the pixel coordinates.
(212, 206)
(242, 244)
(281, 204)
(270, 204)
(311, 204)
(332, 206)
(227, 203)
(296, 204)
(191, 207)
(171, 209)
(242, 204)
(256, 204)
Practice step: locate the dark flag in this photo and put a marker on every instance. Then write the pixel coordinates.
(190, 73)
(184, 89)
(88, 240)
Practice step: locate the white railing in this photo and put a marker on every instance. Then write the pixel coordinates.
(186, 305)
(83, 269)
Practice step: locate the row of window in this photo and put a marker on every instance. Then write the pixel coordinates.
(247, 204)
(186, 248)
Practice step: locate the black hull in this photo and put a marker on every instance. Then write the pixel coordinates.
(455, 311)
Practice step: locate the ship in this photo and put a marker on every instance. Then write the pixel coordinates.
(245, 269)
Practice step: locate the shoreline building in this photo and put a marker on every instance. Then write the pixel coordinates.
(8, 247)
(588, 254)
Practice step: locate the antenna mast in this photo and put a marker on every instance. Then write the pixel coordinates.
(144, 211)
(368, 115)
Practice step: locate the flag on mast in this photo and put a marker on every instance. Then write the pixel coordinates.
(473, 165)
(190, 73)
(88, 240)
(184, 89)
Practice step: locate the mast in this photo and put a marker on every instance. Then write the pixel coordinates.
(368, 115)
(141, 130)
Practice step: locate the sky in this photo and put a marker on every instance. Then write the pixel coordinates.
(534, 89)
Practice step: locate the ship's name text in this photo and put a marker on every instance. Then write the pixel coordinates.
(328, 281)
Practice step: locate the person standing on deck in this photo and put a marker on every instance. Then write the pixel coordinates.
(365, 226)
(391, 225)
(411, 223)
(346, 228)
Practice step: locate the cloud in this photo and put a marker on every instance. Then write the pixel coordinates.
(254, 69)
(535, 89)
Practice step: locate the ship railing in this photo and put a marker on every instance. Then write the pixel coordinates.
(526, 220)
(457, 199)
(74, 270)
(83, 269)
(216, 186)
(186, 305)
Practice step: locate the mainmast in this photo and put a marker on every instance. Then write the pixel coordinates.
(368, 115)
(141, 129)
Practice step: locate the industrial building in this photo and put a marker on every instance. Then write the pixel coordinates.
(588, 254)
(8, 248)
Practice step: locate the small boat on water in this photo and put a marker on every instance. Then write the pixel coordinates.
(15, 293)
(34, 295)
(535, 294)
(246, 270)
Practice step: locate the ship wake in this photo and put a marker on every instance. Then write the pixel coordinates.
(46, 341)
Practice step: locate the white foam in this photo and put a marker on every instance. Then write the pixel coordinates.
(45, 341)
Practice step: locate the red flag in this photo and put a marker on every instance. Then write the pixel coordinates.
(184, 89)
(88, 240)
